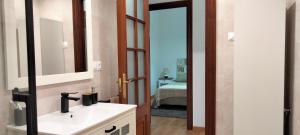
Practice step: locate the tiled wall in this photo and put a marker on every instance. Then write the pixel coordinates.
(225, 22)
(105, 48)
(293, 31)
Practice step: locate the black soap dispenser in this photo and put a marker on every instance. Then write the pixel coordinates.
(94, 96)
(87, 99)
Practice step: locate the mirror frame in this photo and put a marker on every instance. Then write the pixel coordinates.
(11, 57)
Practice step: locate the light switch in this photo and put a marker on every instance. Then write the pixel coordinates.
(98, 65)
(231, 36)
(65, 44)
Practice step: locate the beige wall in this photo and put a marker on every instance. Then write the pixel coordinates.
(105, 48)
(293, 31)
(225, 22)
(259, 63)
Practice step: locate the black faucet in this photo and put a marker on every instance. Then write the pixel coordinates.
(65, 101)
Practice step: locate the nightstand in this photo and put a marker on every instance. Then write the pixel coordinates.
(164, 81)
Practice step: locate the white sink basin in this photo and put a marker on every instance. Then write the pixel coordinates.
(78, 119)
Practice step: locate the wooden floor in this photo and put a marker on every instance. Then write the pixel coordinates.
(172, 126)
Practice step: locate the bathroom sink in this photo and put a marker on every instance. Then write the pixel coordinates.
(79, 118)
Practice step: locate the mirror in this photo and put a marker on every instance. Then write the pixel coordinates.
(62, 37)
(54, 37)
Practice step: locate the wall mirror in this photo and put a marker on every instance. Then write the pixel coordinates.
(62, 37)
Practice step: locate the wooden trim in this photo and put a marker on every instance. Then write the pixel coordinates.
(136, 58)
(136, 49)
(122, 43)
(210, 66)
(135, 19)
(147, 63)
(169, 5)
(137, 78)
(190, 65)
(79, 36)
(188, 5)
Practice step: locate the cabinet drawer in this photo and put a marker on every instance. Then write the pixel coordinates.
(124, 126)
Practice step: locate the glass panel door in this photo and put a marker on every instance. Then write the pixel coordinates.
(135, 51)
(133, 47)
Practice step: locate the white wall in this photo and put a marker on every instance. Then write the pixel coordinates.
(168, 42)
(259, 67)
(198, 60)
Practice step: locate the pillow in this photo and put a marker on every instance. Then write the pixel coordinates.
(181, 75)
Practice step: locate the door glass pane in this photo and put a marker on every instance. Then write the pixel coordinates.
(141, 64)
(130, 64)
(130, 7)
(131, 93)
(141, 92)
(130, 33)
(140, 8)
(140, 35)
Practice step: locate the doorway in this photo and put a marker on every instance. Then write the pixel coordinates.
(129, 16)
(171, 61)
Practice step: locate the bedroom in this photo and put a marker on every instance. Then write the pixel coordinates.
(168, 65)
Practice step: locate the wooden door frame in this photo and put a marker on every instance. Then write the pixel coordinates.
(80, 53)
(210, 65)
(189, 20)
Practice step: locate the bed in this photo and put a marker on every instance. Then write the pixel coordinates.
(172, 94)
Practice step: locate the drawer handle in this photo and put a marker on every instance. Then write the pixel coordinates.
(111, 130)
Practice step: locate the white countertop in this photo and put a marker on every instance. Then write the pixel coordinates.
(83, 117)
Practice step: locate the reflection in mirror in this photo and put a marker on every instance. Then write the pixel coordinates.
(59, 31)
(21, 37)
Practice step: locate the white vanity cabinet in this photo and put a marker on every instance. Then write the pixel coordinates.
(99, 119)
(122, 125)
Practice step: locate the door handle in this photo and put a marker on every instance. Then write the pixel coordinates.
(111, 130)
(119, 82)
(124, 83)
